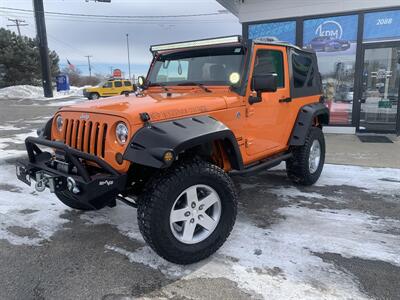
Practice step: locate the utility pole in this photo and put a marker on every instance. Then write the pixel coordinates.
(17, 23)
(129, 58)
(90, 66)
(43, 47)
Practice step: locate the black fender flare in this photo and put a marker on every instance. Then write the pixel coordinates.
(149, 144)
(45, 132)
(304, 121)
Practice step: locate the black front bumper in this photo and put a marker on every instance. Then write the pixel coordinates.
(96, 183)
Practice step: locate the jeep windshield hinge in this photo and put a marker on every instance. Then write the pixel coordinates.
(145, 117)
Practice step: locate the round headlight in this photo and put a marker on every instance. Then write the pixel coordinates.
(121, 132)
(59, 123)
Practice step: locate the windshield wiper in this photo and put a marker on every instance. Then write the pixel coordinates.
(162, 85)
(200, 85)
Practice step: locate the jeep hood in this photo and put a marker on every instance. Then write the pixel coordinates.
(159, 106)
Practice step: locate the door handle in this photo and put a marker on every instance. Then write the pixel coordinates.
(285, 100)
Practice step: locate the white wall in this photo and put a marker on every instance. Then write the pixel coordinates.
(256, 10)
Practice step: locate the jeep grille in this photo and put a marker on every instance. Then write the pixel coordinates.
(86, 136)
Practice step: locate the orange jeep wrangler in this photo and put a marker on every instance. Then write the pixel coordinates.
(207, 109)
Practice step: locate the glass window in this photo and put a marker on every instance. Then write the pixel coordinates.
(303, 74)
(334, 39)
(175, 70)
(117, 84)
(280, 31)
(108, 84)
(269, 62)
(127, 83)
(381, 26)
(380, 89)
(212, 66)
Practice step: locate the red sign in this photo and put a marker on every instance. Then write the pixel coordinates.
(117, 73)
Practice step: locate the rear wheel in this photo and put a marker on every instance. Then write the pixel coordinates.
(188, 212)
(306, 165)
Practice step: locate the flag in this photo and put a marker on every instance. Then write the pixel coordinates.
(71, 66)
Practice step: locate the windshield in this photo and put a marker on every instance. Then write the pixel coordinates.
(215, 66)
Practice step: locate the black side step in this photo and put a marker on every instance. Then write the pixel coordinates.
(263, 165)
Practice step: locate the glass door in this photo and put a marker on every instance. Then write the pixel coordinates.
(380, 90)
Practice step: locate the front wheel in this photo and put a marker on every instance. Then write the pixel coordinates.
(94, 96)
(306, 165)
(188, 212)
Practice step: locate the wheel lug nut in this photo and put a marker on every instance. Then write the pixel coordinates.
(191, 220)
(201, 207)
(193, 205)
(200, 217)
(187, 214)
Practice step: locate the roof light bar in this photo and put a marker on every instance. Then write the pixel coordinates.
(198, 43)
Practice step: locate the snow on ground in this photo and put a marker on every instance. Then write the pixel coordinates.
(278, 262)
(65, 103)
(22, 92)
(26, 217)
(378, 180)
(6, 151)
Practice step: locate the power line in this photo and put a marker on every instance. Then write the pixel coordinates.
(17, 23)
(133, 21)
(127, 21)
(119, 16)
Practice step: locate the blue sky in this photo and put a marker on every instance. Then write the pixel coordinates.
(106, 41)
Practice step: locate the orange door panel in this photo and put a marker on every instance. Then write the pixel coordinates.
(266, 121)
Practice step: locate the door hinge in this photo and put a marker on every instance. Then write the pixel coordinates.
(285, 100)
(248, 142)
(249, 111)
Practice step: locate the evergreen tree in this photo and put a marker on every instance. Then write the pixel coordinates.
(20, 60)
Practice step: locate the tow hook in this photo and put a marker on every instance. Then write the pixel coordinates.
(41, 182)
(72, 186)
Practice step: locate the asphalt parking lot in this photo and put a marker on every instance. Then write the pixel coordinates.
(339, 239)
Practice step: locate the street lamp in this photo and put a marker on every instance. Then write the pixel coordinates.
(129, 58)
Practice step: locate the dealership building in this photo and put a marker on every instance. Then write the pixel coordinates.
(358, 47)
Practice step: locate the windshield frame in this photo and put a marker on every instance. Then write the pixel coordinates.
(235, 87)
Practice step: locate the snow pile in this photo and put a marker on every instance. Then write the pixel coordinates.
(21, 92)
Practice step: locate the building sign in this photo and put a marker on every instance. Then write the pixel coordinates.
(280, 31)
(331, 34)
(380, 26)
(117, 73)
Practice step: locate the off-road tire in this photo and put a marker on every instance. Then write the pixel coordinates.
(69, 200)
(94, 96)
(155, 204)
(297, 167)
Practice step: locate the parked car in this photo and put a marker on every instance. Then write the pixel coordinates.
(170, 149)
(328, 44)
(109, 88)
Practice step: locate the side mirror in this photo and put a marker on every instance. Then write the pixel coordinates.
(263, 84)
(141, 82)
